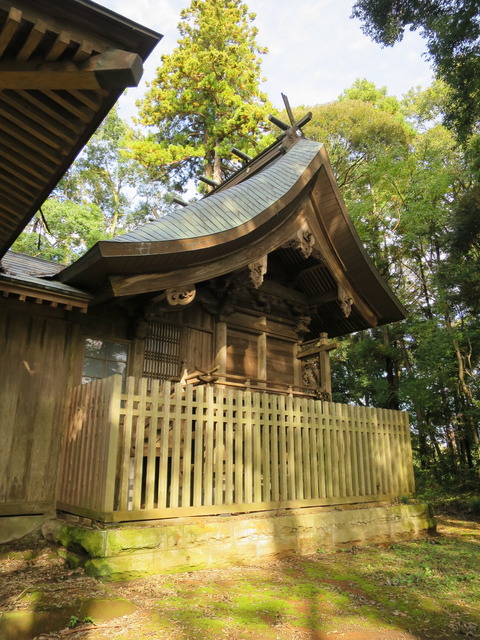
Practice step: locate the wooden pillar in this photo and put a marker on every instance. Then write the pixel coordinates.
(221, 349)
(262, 358)
(297, 365)
(135, 358)
(324, 361)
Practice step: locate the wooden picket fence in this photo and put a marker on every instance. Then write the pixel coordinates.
(166, 450)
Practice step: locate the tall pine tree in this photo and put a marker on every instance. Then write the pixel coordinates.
(206, 96)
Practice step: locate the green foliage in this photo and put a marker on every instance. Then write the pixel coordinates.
(104, 193)
(410, 190)
(366, 91)
(206, 96)
(72, 229)
(74, 621)
(452, 32)
(107, 175)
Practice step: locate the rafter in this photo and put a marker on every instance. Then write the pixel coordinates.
(109, 70)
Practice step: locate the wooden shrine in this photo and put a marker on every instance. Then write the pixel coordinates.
(180, 369)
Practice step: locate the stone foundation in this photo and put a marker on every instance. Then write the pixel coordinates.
(134, 550)
(15, 527)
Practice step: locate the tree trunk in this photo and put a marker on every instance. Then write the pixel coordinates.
(392, 373)
(217, 167)
(470, 426)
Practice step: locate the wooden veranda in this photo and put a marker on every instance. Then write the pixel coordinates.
(154, 451)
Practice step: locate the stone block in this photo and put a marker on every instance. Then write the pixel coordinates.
(133, 539)
(122, 552)
(206, 533)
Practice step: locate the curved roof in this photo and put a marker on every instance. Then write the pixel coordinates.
(227, 210)
(208, 229)
(280, 197)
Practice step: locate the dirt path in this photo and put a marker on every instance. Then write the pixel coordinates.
(416, 590)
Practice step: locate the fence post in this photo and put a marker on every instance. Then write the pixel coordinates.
(113, 424)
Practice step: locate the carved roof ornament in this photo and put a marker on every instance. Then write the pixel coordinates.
(303, 241)
(257, 271)
(306, 241)
(181, 297)
(345, 300)
(302, 325)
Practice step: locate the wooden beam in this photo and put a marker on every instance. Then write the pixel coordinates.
(70, 104)
(9, 166)
(9, 28)
(89, 99)
(40, 101)
(31, 111)
(275, 507)
(315, 350)
(33, 40)
(33, 168)
(25, 124)
(83, 52)
(61, 43)
(25, 131)
(40, 297)
(112, 69)
(24, 508)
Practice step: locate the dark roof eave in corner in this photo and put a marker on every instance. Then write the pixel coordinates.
(101, 31)
(103, 22)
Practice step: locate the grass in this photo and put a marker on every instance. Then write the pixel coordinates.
(429, 587)
(418, 589)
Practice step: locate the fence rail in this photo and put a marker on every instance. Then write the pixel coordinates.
(172, 450)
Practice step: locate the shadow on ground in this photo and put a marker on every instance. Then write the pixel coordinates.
(417, 590)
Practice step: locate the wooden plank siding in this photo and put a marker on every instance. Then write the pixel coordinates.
(185, 450)
(35, 373)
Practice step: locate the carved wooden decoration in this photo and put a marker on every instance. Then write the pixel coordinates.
(302, 326)
(303, 242)
(312, 378)
(306, 240)
(182, 296)
(257, 271)
(345, 300)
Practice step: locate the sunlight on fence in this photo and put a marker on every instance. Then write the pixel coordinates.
(163, 450)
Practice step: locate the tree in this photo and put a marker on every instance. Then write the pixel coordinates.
(404, 178)
(206, 96)
(104, 193)
(63, 231)
(452, 31)
(367, 146)
(107, 175)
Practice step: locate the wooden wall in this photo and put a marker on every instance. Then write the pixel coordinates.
(197, 339)
(262, 348)
(41, 357)
(38, 347)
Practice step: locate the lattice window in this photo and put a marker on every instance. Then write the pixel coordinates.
(103, 358)
(162, 352)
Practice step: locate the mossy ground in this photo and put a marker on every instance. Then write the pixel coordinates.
(416, 590)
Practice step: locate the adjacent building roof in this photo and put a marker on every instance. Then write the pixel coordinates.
(21, 264)
(62, 67)
(30, 278)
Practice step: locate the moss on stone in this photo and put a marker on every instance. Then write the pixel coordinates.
(82, 540)
(134, 539)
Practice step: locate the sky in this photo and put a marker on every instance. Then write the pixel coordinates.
(315, 49)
